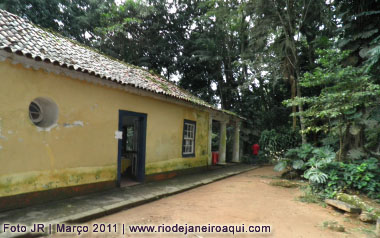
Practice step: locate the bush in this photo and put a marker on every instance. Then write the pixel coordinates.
(327, 176)
(246, 159)
(274, 143)
(260, 159)
(362, 176)
(308, 160)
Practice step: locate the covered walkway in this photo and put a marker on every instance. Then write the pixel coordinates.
(83, 208)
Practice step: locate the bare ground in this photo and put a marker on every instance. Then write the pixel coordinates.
(247, 199)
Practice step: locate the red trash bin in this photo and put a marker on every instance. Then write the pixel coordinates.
(215, 157)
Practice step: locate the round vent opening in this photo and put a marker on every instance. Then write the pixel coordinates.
(43, 112)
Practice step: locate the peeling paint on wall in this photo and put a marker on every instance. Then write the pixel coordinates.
(2, 137)
(86, 153)
(74, 124)
(94, 107)
(174, 164)
(48, 129)
(13, 184)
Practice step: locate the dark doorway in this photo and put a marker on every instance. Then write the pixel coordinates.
(131, 154)
(215, 136)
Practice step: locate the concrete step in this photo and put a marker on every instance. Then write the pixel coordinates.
(343, 206)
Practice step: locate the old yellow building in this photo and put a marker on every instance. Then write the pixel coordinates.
(74, 121)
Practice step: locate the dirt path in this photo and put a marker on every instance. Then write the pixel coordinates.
(244, 199)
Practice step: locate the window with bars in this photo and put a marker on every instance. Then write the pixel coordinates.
(188, 144)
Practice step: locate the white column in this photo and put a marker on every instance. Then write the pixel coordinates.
(236, 150)
(209, 161)
(222, 142)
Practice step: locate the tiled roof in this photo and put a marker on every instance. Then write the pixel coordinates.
(20, 36)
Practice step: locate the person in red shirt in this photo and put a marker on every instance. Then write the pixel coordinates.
(255, 152)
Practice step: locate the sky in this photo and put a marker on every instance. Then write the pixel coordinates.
(118, 2)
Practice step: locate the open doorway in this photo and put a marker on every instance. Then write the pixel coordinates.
(131, 155)
(215, 142)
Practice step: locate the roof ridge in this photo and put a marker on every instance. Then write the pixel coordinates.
(19, 35)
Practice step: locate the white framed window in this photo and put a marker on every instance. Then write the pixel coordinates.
(188, 144)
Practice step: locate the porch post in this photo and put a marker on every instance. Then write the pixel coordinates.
(236, 150)
(222, 142)
(209, 161)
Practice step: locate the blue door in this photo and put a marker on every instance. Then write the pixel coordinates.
(132, 146)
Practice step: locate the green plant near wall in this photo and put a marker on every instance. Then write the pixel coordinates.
(345, 94)
(327, 176)
(362, 176)
(274, 143)
(309, 161)
(295, 158)
(321, 158)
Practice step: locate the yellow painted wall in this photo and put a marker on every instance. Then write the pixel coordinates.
(35, 160)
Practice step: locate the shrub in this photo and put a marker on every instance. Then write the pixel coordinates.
(260, 159)
(327, 176)
(274, 143)
(362, 176)
(308, 160)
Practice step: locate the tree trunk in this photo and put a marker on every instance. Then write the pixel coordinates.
(340, 145)
(293, 95)
(300, 109)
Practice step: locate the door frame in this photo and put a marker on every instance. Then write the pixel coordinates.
(141, 144)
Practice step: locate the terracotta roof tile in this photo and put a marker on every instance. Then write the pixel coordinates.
(20, 36)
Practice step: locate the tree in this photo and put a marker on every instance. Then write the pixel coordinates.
(340, 107)
(285, 24)
(73, 19)
(213, 52)
(359, 32)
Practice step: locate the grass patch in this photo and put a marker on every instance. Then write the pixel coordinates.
(309, 197)
(369, 232)
(334, 226)
(362, 202)
(265, 176)
(284, 184)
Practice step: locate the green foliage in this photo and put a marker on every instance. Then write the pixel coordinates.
(298, 164)
(246, 159)
(281, 165)
(363, 176)
(345, 93)
(73, 19)
(142, 33)
(300, 153)
(283, 183)
(308, 159)
(321, 157)
(260, 159)
(328, 176)
(315, 175)
(372, 131)
(274, 143)
(248, 56)
(359, 31)
(309, 196)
